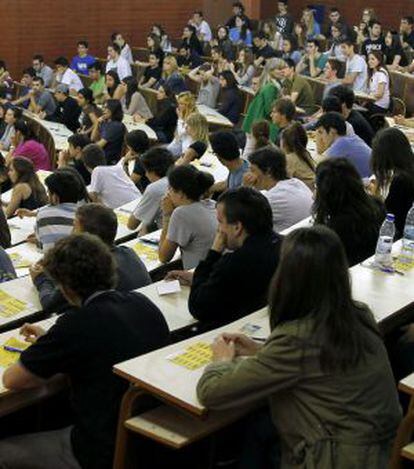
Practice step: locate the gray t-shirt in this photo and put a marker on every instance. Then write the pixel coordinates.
(193, 227)
(47, 74)
(209, 92)
(148, 210)
(235, 177)
(46, 102)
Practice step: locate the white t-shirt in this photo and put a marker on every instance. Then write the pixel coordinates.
(148, 210)
(120, 66)
(181, 139)
(358, 65)
(193, 227)
(380, 77)
(291, 201)
(113, 186)
(70, 78)
(205, 29)
(126, 53)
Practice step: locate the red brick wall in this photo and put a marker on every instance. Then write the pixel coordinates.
(52, 27)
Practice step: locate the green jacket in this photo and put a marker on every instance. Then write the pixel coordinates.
(261, 107)
(325, 421)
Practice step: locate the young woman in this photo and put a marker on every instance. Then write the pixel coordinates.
(231, 100)
(154, 46)
(165, 42)
(186, 105)
(152, 73)
(299, 163)
(190, 39)
(189, 223)
(133, 103)
(290, 49)
(240, 34)
(222, 40)
(299, 34)
(334, 44)
(342, 204)
(28, 192)
(171, 76)
(362, 33)
(90, 112)
(197, 130)
(243, 70)
(108, 132)
(260, 138)
(112, 83)
(10, 118)
(379, 83)
(392, 162)
(25, 144)
(273, 36)
(310, 25)
(394, 54)
(324, 354)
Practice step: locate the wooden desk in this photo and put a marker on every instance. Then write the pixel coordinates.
(209, 163)
(408, 131)
(172, 383)
(131, 125)
(213, 117)
(22, 256)
(361, 96)
(124, 233)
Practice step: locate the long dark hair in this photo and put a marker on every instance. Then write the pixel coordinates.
(25, 129)
(115, 76)
(382, 68)
(190, 181)
(26, 174)
(243, 31)
(132, 87)
(391, 153)
(295, 140)
(312, 281)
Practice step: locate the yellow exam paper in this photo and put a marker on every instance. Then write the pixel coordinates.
(10, 306)
(7, 358)
(195, 356)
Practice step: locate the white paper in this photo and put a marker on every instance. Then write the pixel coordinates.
(166, 288)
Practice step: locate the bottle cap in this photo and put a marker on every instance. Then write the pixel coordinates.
(390, 217)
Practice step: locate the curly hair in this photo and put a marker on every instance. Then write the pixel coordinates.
(83, 263)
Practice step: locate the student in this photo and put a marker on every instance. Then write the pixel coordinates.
(72, 157)
(240, 34)
(5, 237)
(299, 163)
(273, 36)
(81, 62)
(230, 99)
(360, 125)
(152, 73)
(98, 82)
(209, 85)
(283, 20)
(10, 118)
(41, 101)
(378, 84)
(202, 27)
(393, 52)
(124, 48)
(332, 142)
(112, 85)
(197, 130)
(164, 121)
(165, 42)
(188, 58)
(222, 40)
(260, 138)
(283, 113)
(290, 49)
(90, 111)
(189, 223)
(298, 88)
(25, 144)
(3, 124)
(261, 49)
(66, 76)
(137, 143)
(42, 70)
(314, 321)
(375, 42)
(67, 111)
(393, 167)
(238, 10)
(356, 72)
(7, 271)
(243, 68)
(229, 285)
(156, 161)
(186, 105)
(225, 146)
(335, 50)
(24, 91)
(154, 47)
(28, 192)
(133, 103)
(311, 26)
(106, 329)
(342, 204)
(290, 199)
(102, 222)
(335, 18)
(190, 39)
(171, 77)
(108, 131)
(110, 185)
(117, 63)
(313, 62)
(333, 73)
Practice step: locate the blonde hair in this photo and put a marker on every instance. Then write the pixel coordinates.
(200, 126)
(272, 64)
(189, 101)
(174, 66)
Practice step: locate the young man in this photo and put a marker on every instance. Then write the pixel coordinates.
(66, 76)
(283, 113)
(152, 73)
(336, 19)
(81, 62)
(117, 63)
(290, 199)
(284, 20)
(225, 146)
(360, 125)
(102, 222)
(98, 82)
(125, 50)
(298, 88)
(376, 41)
(187, 57)
(261, 49)
(209, 85)
(27, 83)
(41, 101)
(42, 70)
(110, 185)
(104, 327)
(332, 74)
(313, 62)
(137, 143)
(332, 142)
(229, 285)
(67, 111)
(407, 32)
(356, 71)
(72, 157)
(156, 162)
(238, 10)
(202, 27)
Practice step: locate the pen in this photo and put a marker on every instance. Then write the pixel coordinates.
(259, 339)
(12, 349)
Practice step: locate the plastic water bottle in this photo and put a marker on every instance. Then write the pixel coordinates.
(383, 255)
(407, 249)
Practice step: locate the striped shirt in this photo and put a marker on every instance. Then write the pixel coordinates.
(54, 222)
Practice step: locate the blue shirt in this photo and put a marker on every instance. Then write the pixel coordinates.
(81, 64)
(235, 177)
(355, 150)
(234, 35)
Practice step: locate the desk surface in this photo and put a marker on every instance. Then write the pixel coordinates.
(22, 256)
(209, 163)
(155, 372)
(131, 125)
(214, 117)
(20, 228)
(123, 213)
(59, 132)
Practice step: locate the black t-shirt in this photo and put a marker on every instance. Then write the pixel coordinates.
(113, 132)
(284, 24)
(152, 73)
(81, 169)
(140, 170)
(372, 45)
(400, 199)
(391, 52)
(85, 343)
(361, 126)
(67, 113)
(266, 52)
